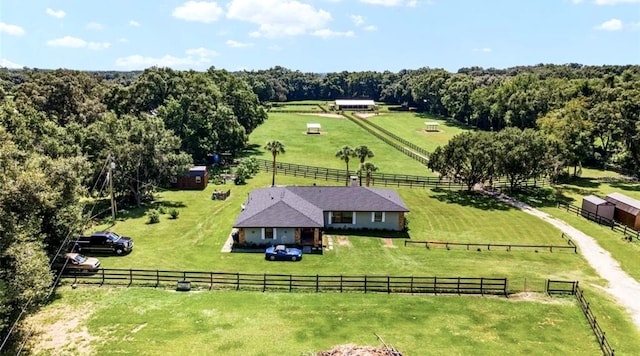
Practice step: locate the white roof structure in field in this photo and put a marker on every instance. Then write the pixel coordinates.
(313, 125)
(354, 102)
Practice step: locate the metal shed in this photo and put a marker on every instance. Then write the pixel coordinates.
(596, 208)
(627, 211)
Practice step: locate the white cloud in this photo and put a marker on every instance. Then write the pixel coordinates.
(483, 50)
(67, 41)
(412, 3)
(326, 33)
(615, 2)
(94, 26)
(383, 2)
(8, 64)
(194, 58)
(123, 40)
(75, 42)
(610, 25)
(199, 11)
(134, 23)
(201, 52)
(277, 18)
(576, 1)
(275, 48)
(236, 44)
(357, 20)
(370, 28)
(56, 13)
(11, 29)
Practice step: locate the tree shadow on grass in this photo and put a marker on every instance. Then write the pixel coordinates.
(472, 199)
(252, 149)
(582, 182)
(542, 197)
(134, 212)
(629, 187)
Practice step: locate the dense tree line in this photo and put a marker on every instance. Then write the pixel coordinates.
(61, 130)
(591, 111)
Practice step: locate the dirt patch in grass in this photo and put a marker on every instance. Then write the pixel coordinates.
(389, 243)
(343, 241)
(60, 332)
(355, 350)
(364, 116)
(541, 298)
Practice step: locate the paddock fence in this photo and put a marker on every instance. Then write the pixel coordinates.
(290, 282)
(573, 288)
(623, 229)
(377, 179)
(494, 246)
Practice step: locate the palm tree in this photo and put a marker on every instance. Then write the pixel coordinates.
(368, 169)
(345, 154)
(275, 147)
(362, 152)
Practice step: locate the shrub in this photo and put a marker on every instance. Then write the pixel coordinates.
(154, 216)
(174, 213)
(162, 210)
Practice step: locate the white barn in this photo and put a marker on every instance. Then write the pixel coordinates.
(596, 208)
(352, 104)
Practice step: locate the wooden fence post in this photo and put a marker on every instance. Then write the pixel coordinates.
(482, 286)
(317, 283)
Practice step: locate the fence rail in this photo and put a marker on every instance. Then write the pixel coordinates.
(377, 179)
(573, 288)
(420, 158)
(623, 229)
(488, 246)
(290, 282)
(411, 145)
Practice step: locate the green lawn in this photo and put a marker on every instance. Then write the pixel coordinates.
(319, 150)
(411, 127)
(150, 322)
(194, 241)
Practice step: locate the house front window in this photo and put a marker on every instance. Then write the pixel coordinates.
(342, 217)
(377, 216)
(267, 233)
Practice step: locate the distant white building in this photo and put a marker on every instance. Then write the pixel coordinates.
(352, 104)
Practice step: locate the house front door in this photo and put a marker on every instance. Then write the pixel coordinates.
(306, 236)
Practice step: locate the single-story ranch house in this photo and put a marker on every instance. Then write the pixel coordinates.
(298, 214)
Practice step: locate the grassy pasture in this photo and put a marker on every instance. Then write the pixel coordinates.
(194, 240)
(411, 127)
(319, 150)
(150, 322)
(136, 320)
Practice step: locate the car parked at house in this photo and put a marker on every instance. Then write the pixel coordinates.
(73, 262)
(107, 242)
(282, 253)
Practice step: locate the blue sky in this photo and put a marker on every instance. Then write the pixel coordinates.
(316, 35)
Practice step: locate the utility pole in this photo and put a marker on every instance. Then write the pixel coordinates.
(114, 209)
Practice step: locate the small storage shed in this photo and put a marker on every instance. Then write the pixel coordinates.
(313, 128)
(196, 178)
(596, 208)
(627, 210)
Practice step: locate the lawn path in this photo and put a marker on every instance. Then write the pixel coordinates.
(622, 287)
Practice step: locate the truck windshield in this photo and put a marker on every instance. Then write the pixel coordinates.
(113, 236)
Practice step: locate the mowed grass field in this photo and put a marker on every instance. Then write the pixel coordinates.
(151, 322)
(411, 126)
(320, 150)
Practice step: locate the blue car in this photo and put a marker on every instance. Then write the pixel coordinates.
(282, 253)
